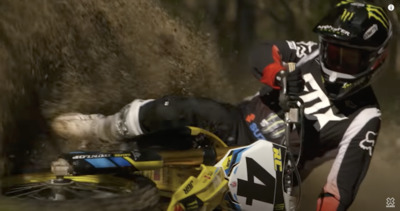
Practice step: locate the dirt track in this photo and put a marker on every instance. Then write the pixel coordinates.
(97, 55)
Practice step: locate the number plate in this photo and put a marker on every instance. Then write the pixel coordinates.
(254, 173)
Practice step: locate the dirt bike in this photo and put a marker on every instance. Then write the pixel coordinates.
(189, 168)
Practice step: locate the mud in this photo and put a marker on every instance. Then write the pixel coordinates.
(93, 57)
(90, 56)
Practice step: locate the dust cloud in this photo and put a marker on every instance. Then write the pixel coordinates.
(91, 56)
(95, 56)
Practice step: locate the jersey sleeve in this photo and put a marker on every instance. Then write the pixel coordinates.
(291, 51)
(353, 157)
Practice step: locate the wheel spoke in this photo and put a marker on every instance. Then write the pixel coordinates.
(29, 193)
(75, 190)
(25, 188)
(97, 187)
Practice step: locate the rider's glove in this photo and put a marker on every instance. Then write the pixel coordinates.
(295, 82)
(272, 75)
(270, 72)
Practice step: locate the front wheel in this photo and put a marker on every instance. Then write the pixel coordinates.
(78, 193)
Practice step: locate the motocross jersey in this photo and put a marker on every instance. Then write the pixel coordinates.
(345, 130)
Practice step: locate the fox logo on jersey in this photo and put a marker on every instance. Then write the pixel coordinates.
(321, 109)
(369, 142)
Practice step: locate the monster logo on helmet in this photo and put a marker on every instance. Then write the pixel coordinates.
(346, 16)
(353, 44)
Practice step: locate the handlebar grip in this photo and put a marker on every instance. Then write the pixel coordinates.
(281, 76)
(283, 96)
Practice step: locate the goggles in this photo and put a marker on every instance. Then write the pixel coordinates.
(346, 62)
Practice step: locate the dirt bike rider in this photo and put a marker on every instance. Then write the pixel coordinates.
(342, 116)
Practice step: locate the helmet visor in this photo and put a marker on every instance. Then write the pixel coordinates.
(346, 60)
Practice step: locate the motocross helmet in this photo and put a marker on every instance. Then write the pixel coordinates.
(353, 44)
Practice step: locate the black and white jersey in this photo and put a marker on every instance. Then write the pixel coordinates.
(345, 130)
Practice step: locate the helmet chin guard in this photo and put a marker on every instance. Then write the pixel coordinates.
(338, 88)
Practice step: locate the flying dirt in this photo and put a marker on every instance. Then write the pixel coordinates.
(92, 57)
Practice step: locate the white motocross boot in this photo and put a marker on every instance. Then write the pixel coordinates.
(95, 128)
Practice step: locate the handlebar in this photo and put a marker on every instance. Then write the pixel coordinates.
(293, 115)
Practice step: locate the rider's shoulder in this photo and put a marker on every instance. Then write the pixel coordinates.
(306, 46)
(303, 51)
(358, 102)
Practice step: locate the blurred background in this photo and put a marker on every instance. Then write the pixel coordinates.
(95, 56)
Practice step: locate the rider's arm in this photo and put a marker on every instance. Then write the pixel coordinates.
(352, 160)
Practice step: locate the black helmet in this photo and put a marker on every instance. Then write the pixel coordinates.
(353, 45)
